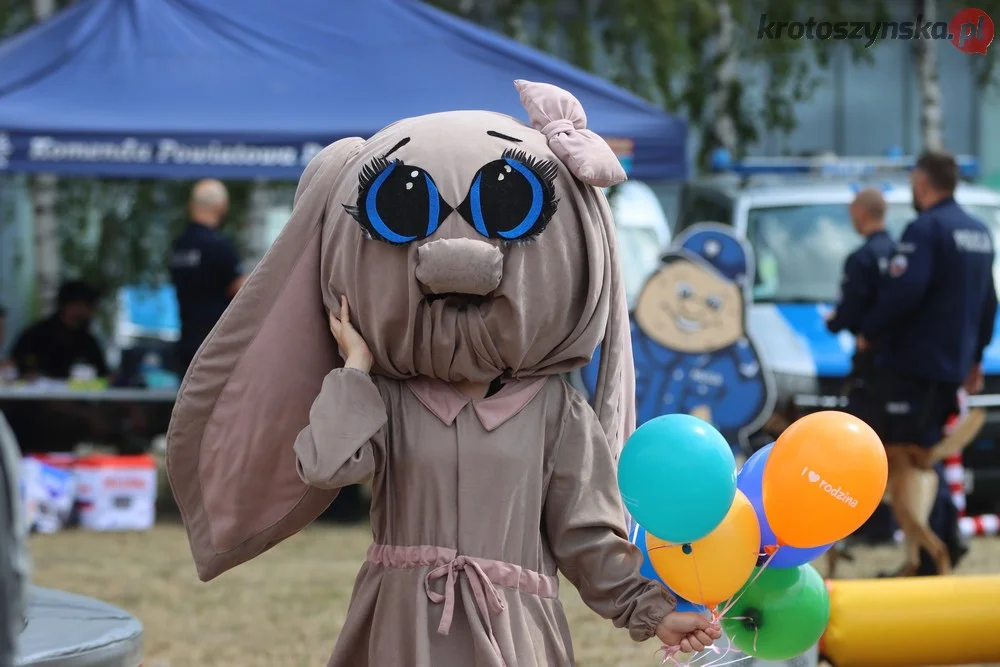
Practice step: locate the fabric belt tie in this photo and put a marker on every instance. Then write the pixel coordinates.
(488, 599)
(485, 576)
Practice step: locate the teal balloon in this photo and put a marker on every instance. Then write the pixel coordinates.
(780, 615)
(677, 477)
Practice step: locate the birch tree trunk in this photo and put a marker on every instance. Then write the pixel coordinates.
(722, 125)
(928, 82)
(43, 8)
(257, 231)
(46, 226)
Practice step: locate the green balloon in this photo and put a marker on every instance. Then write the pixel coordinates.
(780, 615)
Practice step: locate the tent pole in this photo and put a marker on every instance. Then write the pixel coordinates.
(44, 190)
(43, 9)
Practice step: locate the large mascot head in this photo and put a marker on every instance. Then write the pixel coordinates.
(469, 245)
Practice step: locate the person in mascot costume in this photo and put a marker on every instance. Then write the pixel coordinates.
(464, 263)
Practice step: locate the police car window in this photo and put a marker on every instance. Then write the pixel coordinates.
(701, 209)
(800, 250)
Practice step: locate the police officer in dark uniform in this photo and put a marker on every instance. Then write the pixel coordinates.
(863, 271)
(205, 269)
(933, 319)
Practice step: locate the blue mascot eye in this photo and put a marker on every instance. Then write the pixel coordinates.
(512, 198)
(398, 203)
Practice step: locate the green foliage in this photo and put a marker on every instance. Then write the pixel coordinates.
(16, 15)
(664, 50)
(984, 67)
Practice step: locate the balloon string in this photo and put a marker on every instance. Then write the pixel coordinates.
(670, 652)
(664, 546)
(697, 576)
(756, 630)
(736, 598)
(731, 662)
(721, 657)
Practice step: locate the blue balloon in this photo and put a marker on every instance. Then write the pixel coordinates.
(638, 538)
(750, 482)
(677, 477)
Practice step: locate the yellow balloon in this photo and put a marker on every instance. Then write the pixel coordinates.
(715, 567)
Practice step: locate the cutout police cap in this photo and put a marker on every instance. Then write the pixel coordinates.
(720, 250)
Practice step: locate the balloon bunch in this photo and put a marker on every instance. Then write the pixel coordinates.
(739, 546)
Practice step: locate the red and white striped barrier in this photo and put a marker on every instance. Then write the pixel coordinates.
(980, 526)
(971, 526)
(954, 475)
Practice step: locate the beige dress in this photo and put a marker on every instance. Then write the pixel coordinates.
(476, 503)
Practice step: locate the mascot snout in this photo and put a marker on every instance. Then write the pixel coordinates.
(459, 266)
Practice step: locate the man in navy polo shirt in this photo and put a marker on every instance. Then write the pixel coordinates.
(205, 268)
(933, 319)
(863, 273)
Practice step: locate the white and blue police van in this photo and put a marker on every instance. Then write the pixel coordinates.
(794, 214)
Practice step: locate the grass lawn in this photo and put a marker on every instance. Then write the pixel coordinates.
(284, 609)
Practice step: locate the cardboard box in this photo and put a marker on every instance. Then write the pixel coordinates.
(116, 492)
(48, 492)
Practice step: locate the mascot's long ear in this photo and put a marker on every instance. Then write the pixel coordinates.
(614, 395)
(558, 115)
(613, 398)
(248, 393)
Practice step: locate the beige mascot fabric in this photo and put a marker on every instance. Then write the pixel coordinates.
(470, 247)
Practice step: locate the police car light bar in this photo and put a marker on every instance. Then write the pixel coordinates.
(968, 166)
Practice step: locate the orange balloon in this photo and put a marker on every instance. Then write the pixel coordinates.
(824, 478)
(718, 564)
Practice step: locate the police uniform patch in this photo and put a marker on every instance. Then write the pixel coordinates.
(897, 266)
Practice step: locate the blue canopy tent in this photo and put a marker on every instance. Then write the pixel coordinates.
(254, 88)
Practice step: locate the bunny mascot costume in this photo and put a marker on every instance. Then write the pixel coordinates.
(468, 248)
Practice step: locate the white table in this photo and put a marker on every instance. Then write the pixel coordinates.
(11, 393)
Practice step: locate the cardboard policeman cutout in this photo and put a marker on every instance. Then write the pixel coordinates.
(692, 352)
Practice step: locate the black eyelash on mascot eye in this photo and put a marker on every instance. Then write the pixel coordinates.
(546, 171)
(524, 240)
(527, 239)
(367, 176)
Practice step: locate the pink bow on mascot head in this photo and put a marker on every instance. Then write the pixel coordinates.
(560, 117)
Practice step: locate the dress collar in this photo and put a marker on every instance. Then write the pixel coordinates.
(444, 401)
